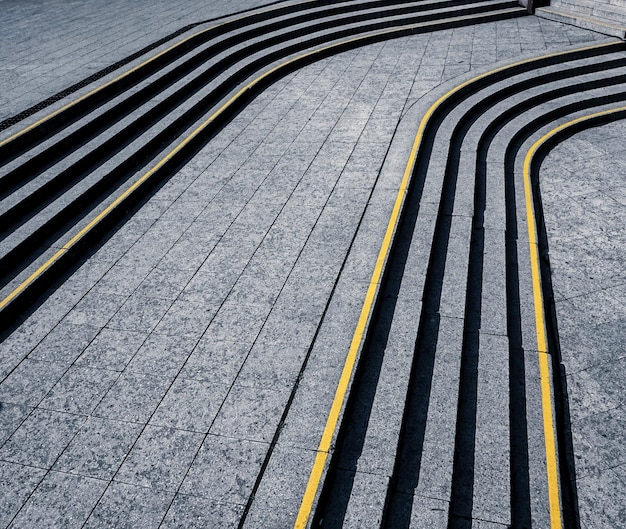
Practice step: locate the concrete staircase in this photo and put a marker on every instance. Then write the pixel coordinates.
(604, 16)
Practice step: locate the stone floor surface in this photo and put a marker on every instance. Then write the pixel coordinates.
(232, 265)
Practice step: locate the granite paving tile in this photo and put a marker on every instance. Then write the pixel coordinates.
(30, 381)
(211, 288)
(88, 274)
(79, 390)
(60, 500)
(185, 318)
(215, 361)
(602, 500)
(190, 251)
(262, 280)
(96, 309)
(595, 308)
(182, 212)
(11, 416)
(133, 397)
(139, 313)
(128, 507)
(18, 345)
(160, 458)
(197, 512)
(239, 323)
(99, 448)
(225, 469)
(596, 389)
(367, 500)
(41, 438)
(64, 343)
(157, 241)
(147, 389)
(271, 365)
(598, 442)
(251, 413)
(284, 328)
(122, 278)
(112, 349)
(17, 482)
(278, 498)
(190, 405)
(165, 282)
(162, 355)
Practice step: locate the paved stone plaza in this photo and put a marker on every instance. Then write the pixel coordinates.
(182, 376)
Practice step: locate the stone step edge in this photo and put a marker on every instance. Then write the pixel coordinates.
(597, 24)
(595, 8)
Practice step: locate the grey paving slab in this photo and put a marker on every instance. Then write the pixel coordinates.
(187, 319)
(596, 389)
(80, 39)
(190, 405)
(79, 391)
(251, 413)
(96, 309)
(30, 381)
(64, 343)
(277, 498)
(60, 500)
(454, 285)
(366, 501)
(596, 442)
(17, 484)
(12, 416)
(240, 323)
(196, 512)
(98, 449)
(225, 469)
(429, 512)
(127, 506)
(139, 313)
(438, 451)
(492, 460)
(162, 355)
(269, 365)
(493, 306)
(601, 499)
(111, 349)
(41, 438)
(160, 458)
(215, 362)
(133, 397)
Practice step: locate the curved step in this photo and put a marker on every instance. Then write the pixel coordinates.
(44, 216)
(471, 370)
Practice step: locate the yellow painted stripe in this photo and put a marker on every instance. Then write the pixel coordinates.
(544, 368)
(332, 421)
(136, 68)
